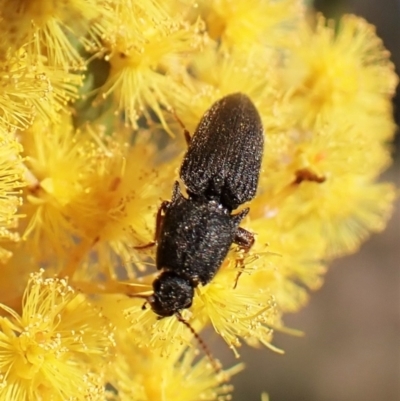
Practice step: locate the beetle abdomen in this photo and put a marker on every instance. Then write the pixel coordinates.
(224, 156)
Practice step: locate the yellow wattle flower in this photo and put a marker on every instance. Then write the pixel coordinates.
(45, 27)
(58, 346)
(33, 91)
(242, 312)
(147, 53)
(23, 89)
(241, 23)
(339, 71)
(316, 213)
(290, 264)
(57, 160)
(145, 375)
(161, 336)
(93, 188)
(156, 359)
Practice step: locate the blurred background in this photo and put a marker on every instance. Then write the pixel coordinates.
(351, 347)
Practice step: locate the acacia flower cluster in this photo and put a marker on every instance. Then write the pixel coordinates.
(90, 145)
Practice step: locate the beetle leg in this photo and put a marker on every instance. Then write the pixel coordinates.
(145, 246)
(188, 138)
(159, 220)
(245, 240)
(186, 133)
(176, 193)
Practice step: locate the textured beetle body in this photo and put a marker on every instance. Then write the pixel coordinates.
(220, 171)
(224, 157)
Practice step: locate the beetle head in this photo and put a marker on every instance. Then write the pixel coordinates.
(172, 293)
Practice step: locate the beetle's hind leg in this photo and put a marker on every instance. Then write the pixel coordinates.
(245, 240)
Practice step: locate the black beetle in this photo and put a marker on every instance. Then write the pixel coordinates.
(220, 171)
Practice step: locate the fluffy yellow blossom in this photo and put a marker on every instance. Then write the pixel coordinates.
(57, 348)
(57, 163)
(241, 23)
(289, 263)
(141, 372)
(343, 226)
(243, 311)
(142, 375)
(146, 53)
(164, 336)
(304, 188)
(46, 26)
(30, 91)
(339, 72)
(91, 188)
(22, 89)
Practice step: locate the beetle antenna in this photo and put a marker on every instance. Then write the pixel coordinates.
(215, 364)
